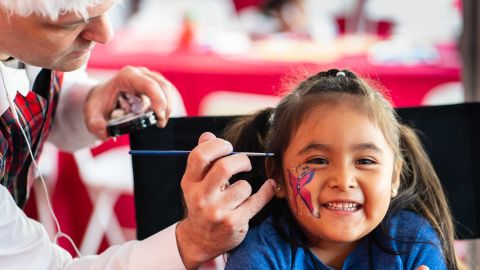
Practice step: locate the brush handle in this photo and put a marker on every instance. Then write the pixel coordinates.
(186, 152)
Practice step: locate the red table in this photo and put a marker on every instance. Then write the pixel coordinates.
(196, 75)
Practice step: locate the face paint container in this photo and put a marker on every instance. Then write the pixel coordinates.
(130, 123)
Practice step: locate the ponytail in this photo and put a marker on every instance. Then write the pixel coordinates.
(249, 133)
(421, 192)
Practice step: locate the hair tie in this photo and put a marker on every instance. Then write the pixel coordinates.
(340, 73)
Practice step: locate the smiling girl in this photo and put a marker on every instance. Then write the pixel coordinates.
(355, 188)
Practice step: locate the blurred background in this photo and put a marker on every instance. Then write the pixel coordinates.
(235, 56)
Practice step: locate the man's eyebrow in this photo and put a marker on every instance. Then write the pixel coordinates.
(314, 146)
(80, 21)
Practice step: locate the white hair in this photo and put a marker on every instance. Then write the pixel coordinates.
(48, 8)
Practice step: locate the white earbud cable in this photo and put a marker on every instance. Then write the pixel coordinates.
(59, 232)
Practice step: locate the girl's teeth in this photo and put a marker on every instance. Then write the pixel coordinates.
(349, 206)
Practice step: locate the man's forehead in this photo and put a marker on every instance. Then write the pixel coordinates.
(54, 10)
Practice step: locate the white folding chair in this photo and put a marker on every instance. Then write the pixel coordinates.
(106, 176)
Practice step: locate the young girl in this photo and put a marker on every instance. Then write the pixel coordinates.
(355, 188)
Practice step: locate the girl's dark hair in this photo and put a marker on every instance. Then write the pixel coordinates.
(270, 130)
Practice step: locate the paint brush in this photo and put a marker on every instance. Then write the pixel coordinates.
(186, 152)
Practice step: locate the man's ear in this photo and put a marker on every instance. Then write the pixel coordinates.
(272, 171)
(397, 171)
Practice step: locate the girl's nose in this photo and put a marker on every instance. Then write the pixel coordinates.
(342, 178)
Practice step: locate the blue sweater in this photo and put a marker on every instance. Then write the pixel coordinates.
(416, 243)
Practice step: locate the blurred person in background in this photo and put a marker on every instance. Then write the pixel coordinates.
(275, 16)
(157, 16)
(428, 21)
(419, 29)
(186, 25)
(313, 19)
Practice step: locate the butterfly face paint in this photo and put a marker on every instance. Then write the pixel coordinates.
(298, 178)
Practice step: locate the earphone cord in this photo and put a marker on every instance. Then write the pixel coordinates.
(59, 233)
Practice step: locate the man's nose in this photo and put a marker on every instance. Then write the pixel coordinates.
(99, 30)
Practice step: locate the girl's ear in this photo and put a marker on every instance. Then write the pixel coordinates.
(397, 170)
(272, 172)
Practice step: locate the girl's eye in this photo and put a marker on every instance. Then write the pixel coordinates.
(319, 160)
(365, 161)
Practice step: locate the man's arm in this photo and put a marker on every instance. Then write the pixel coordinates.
(24, 244)
(217, 221)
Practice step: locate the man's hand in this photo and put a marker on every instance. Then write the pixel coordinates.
(103, 98)
(217, 214)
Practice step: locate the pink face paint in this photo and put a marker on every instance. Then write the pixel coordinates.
(298, 184)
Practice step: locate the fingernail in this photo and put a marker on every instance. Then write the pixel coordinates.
(229, 146)
(162, 115)
(91, 123)
(273, 183)
(101, 133)
(96, 123)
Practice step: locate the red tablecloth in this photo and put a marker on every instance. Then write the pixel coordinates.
(196, 75)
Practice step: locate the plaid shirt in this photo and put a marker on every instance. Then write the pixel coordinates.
(36, 111)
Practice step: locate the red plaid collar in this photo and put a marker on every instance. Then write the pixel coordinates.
(36, 111)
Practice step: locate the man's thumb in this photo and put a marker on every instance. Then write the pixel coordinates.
(97, 125)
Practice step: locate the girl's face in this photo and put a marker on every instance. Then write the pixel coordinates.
(339, 174)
